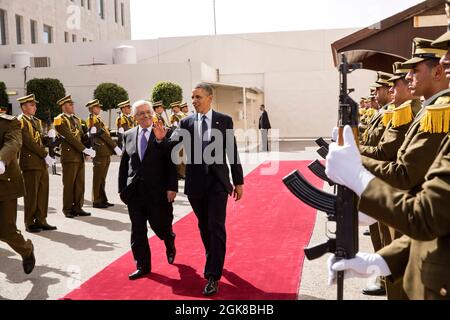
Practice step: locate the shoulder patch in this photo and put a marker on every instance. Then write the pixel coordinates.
(57, 121)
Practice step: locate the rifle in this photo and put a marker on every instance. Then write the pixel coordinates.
(341, 208)
(323, 150)
(52, 143)
(319, 170)
(93, 137)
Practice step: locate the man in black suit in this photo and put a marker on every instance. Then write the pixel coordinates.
(264, 127)
(208, 139)
(148, 184)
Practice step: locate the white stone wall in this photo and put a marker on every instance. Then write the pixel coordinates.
(293, 69)
(63, 18)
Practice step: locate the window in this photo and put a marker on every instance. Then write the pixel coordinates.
(48, 34)
(89, 4)
(82, 3)
(74, 38)
(19, 29)
(2, 27)
(66, 37)
(33, 31)
(122, 12)
(84, 40)
(101, 8)
(116, 11)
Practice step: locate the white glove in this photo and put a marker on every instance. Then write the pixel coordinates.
(363, 265)
(90, 152)
(51, 134)
(50, 161)
(121, 131)
(93, 130)
(2, 167)
(118, 151)
(344, 164)
(335, 134)
(365, 220)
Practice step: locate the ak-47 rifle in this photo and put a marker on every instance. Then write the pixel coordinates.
(52, 143)
(319, 170)
(323, 150)
(342, 207)
(93, 136)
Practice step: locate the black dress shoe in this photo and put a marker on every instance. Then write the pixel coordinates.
(70, 215)
(171, 251)
(109, 204)
(34, 228)
(374, 290)
(46, 227)
(83, 213)
(211, 288)
(100, 205)
(29, 263)
(366, 233)
(138, 274)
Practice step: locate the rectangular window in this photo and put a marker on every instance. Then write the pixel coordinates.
(116, 11)
(74, 38)
(66, 37)
(33, 31)
(2, 27)
(101, 8)
(84, 40)
(19, 29)
(89, 4)
(122, 12)
(82, 3)
(48, 34)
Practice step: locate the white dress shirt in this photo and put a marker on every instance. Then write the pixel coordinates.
(208, 121)
(147, 137)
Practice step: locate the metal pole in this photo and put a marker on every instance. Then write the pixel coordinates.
(215, 20)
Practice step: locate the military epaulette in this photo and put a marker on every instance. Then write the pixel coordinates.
(8, 117)
(402, 114)
(442, 100)
(436, 119)
(58, 121)
(387, 116)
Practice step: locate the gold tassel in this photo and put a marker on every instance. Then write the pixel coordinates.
(387, 116)
(402, 115)
(436, 119)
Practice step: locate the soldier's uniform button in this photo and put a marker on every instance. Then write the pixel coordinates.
(443, 292)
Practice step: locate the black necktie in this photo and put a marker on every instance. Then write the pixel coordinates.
(205, 141)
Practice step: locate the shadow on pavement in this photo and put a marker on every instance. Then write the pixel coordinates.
(78, 242)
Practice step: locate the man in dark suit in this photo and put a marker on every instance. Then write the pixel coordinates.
(264, 127)
(208, 139)
(148, 184)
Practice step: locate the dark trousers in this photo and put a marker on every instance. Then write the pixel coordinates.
(210, 210)
(73, 186)
(160, 217)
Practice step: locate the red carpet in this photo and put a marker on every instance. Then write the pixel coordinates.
(267, 231)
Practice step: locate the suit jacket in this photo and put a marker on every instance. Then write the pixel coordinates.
(33, 153)
(195, 172)
(264, 122)
(422, 256)
(156, 170)
(11, 182)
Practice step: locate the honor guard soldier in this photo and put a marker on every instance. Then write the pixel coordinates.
(34, 160)
(12, 188)
(158, 107)
(185, 109)
(104, 147)
(125, 121)
(73, 150)
(177, 115)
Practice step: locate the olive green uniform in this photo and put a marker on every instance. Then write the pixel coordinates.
(422, 255)
(72, 160)
(104, 147)
(11, 186)
(126, 123)
(34, 169)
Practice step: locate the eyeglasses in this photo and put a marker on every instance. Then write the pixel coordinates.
(144, 113)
